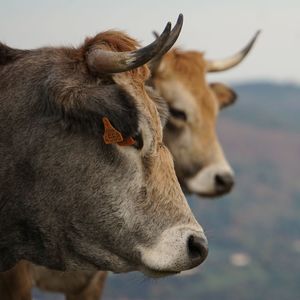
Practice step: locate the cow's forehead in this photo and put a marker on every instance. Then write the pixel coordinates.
(186, 67)
(187, 70)
(188, 64)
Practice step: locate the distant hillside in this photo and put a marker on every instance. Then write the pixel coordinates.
(260, 219)
(254, 233)
(267, 105)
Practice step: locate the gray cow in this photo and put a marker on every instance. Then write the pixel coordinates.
(72, 196)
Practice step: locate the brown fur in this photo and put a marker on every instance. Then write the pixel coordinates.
(189, 68)
(181, 80)
(16, 283)
(75, 285)
(179, 61)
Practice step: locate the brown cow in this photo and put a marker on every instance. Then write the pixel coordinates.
(190, 134)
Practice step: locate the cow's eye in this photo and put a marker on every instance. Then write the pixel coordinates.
(139, 143)
(178, 114)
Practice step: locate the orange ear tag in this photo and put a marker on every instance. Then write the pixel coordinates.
(113, 136)
(127, 142)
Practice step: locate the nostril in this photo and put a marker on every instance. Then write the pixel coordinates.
(198, 248)
(224, 182)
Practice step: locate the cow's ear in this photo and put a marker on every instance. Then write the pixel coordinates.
(84, 107)
(117, 105)
(9, 55)
(225, 95)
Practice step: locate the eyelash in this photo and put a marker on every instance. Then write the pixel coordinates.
(178, 114)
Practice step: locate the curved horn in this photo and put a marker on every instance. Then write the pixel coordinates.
(228, 63)
(172, 38)
(154, 63)
(102, 61)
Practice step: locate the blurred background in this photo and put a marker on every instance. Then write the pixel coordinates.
(254, 233)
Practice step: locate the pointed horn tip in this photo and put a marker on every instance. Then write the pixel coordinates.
(258, 32)
(169, 25)
(251, 43)
(167, 29)
(256, 35)
(179, 21)
(253, 40)
(236, 59)
(155, 33)
(180, 18)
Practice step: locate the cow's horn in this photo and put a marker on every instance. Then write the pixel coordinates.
(154, 63)
(228, 63)
(103, 61)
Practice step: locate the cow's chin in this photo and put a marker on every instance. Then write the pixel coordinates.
(120, 266)
(210, 194)
(157, 273)
(98, 261)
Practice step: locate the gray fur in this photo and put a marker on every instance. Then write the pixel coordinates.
(67, 200)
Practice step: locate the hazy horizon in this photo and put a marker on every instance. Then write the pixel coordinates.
(216, 27)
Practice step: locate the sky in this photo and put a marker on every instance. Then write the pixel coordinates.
(217, 27)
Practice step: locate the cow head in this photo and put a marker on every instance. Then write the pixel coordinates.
(190, 133)
(86, 180)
